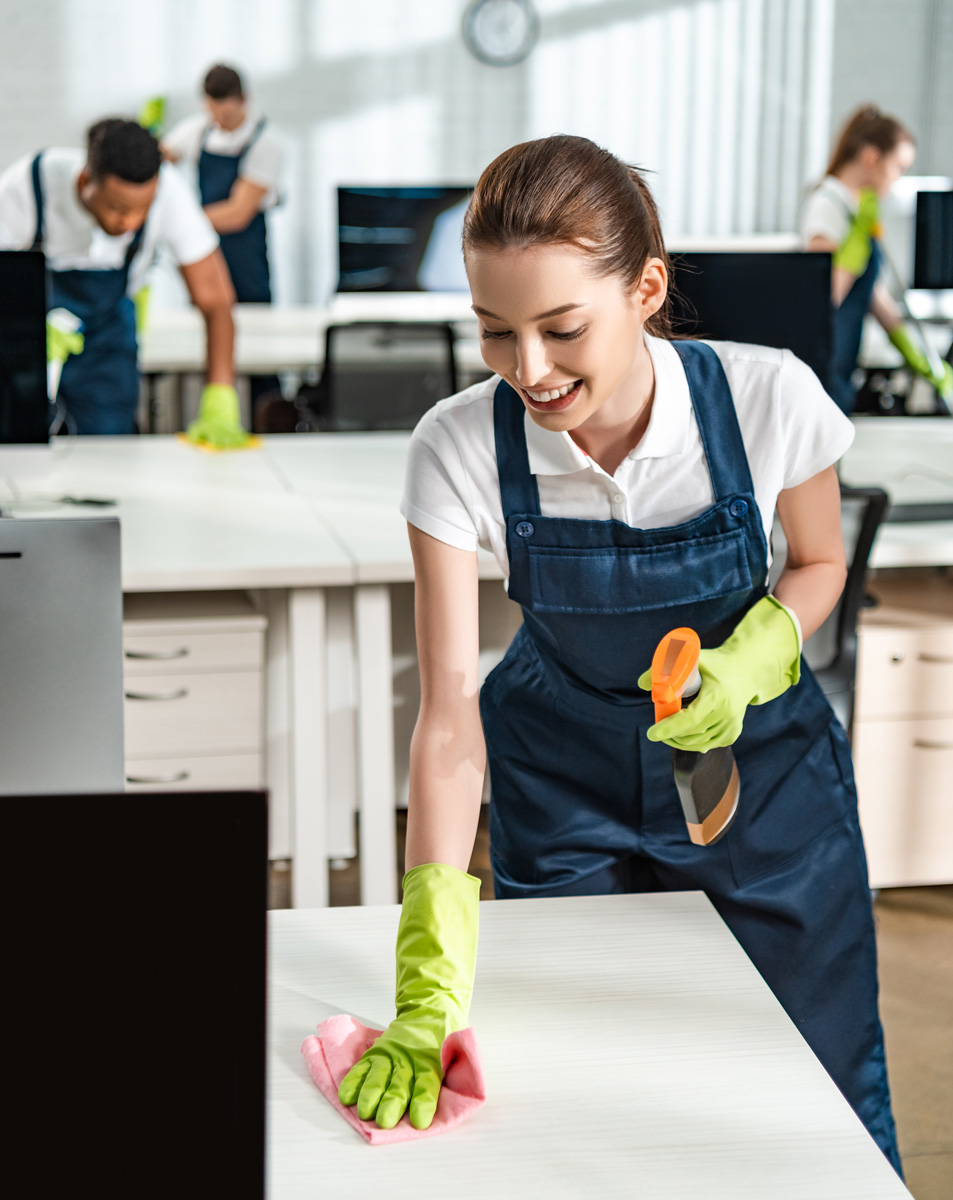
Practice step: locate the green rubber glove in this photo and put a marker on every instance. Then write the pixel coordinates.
(914, 357)
(63, 335)
(436, 961)
(759, 661)
(140, 301)
(219, 421)
(152, 115)
(854, 252)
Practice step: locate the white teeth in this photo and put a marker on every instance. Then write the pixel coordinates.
(544, 397)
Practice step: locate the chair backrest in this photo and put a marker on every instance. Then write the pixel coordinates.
(385, 374)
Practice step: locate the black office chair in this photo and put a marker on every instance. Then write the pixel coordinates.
(383, 374)
(832, 650)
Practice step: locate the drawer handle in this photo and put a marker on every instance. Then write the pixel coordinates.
(176, 777)
(158, 655)
(178, 694)
(926, 744)
(935, 658)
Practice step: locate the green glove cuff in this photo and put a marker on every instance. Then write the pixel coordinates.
(855, 250)
(437, 945)
(219, 421)
(220, 403)
(916, 360)
(767, 642)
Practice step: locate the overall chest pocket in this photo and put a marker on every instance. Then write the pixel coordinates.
(627, 579)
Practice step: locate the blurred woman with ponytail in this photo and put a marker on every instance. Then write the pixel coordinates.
(841, 216)
(626, 483)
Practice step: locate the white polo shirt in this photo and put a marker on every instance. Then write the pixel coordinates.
(260, 166)
(827, 212)
(791, 430)
(72, 238)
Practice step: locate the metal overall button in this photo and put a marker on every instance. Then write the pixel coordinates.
(525, 529)
(738, 508)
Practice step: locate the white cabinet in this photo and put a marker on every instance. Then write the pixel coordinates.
(903, 731)
(193, 681)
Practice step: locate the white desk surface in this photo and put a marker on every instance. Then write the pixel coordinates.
(192, 520)
(912, 459)
(631, 1049)
(355, 483)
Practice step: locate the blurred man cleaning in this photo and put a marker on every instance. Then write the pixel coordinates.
(99, 217)
(238, 163)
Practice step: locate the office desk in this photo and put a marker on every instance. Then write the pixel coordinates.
(192, 521)
(631, 1049)
(269, 339)
(912, 459)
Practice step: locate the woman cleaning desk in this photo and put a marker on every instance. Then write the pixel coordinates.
(841, 216)
(627, 483)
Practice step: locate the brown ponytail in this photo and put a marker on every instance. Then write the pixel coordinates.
(565, 190)
(868, 126)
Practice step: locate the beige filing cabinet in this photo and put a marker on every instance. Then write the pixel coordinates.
(903, 731)
(193, 679)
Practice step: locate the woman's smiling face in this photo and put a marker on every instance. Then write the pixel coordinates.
(567, 341)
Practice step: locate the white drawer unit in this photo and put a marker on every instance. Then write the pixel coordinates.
(903, 731)
(193, 682)
(180, 773)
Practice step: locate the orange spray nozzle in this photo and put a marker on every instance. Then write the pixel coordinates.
(674, 664)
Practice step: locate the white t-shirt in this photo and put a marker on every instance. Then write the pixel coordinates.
(791, 430)
(72, 238)
(828, 211)
(260, 166)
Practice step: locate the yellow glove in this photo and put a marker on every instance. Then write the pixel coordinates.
(63, 335)
(219, 422)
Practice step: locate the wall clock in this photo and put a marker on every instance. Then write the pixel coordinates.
(500, 32)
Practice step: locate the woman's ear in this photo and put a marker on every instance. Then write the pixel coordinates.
(648, 294)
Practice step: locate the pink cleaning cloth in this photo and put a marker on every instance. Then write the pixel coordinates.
(341, 1041)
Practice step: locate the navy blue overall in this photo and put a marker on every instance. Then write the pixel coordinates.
(246, 250)
(848, 328)
(100, 387)
(584, 804)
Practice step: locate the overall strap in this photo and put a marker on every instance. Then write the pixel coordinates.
(717, 420)
(256, 134)
(38, 198)
(205, 135)
(518, 489)
(133, 248)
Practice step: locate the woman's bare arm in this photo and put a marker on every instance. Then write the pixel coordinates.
(815, 569)
(447, 753)
(841, 281)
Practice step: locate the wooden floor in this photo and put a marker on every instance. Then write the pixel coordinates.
(915, 943)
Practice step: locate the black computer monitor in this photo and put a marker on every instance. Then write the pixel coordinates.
(134, 968)
(24, 405)
(401, 239)
(768, 298)
(933, 241)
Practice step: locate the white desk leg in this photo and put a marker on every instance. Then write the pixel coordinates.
(342, 723)
(376, 745)
(306, 625)
(278, 717)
